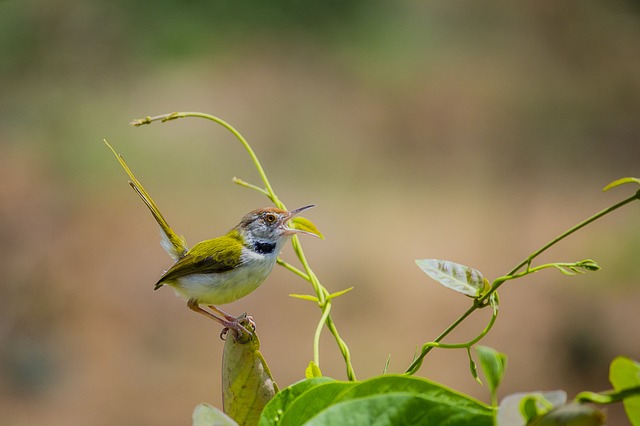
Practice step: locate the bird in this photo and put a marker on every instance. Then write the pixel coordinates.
(223, 269)
(227, 268)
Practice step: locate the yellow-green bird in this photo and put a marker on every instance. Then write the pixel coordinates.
(224, 269)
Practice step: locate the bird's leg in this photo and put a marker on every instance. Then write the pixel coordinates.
(229, 322)
(226, 316)
(231, 318)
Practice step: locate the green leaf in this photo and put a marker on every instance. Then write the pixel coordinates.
(518, 408)
(390, 410)
(312, 371)
(304, 224)
(312, 402)
(400, 400)
(589, 264)
(383, 400)
(620, 182)
(206, 415)
(274, 410)
(473, 367)
(339, 293)
(305, 297)
(460, 278)
(529, 408)
(439, 402)
(581, 267)
(247, 384)
(624, 373)
(493, 364)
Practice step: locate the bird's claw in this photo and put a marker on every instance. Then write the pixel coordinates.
(242, 332)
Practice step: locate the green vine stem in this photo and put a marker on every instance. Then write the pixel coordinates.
(528, 260)
(426, 348)
(321, 293)
(483, 301)
(607, 397)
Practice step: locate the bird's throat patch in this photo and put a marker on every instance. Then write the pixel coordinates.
(264, 248)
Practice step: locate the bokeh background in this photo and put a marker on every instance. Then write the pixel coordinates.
(473, 132)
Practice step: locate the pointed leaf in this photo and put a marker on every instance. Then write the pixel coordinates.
(460, 278)
(493, 364)
(305, 297)
(473, 367)
(304, 224)
(313, 370)
(624, 373)
(247, 384)
(565, 271)
(339, 293)
(589, 264)
(206, 415)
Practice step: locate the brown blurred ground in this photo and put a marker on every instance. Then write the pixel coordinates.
(462, 132)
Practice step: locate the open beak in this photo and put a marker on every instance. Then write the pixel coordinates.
(291, 215)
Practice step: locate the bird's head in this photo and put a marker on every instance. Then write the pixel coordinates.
(270, 224)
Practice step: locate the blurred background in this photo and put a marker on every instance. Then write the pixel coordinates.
(472, 132)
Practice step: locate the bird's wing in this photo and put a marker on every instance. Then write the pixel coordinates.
(208, 257)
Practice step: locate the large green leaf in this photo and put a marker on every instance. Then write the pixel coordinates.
(436, 396)
(393, 409)
(314, 401)
(460, 278)
(624, 373)
(247, 384)
(274, 410)
(387, 400)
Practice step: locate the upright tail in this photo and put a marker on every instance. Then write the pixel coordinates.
(173, 244)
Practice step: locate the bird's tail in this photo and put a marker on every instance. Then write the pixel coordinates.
(173, 243)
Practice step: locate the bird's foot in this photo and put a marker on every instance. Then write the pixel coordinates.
(242, 327)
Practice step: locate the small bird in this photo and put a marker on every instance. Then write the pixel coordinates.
(223, 269)
(227, 268)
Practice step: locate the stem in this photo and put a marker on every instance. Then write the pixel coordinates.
(577, 227)
(293, 269)
(607, 397)
(351, 375)
(229, 127)
(316, 337)
(268, 191)
(426, 348)
(482, 302)
(250, 186)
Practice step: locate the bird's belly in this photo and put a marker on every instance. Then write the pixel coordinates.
(222, 288)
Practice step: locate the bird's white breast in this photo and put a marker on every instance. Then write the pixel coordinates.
(226, 287)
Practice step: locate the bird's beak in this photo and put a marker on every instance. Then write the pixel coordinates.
(295, 212)
(291, 215)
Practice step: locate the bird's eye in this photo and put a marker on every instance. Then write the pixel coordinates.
(270, 218)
